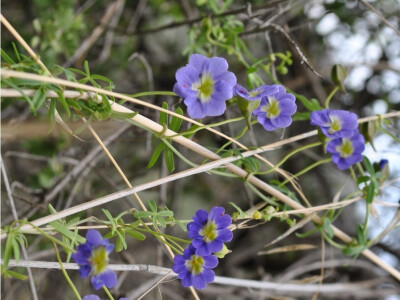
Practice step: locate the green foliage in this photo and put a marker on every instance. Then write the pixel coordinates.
(174, 125)
(58, 30)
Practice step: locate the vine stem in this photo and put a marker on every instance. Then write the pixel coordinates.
(71, 284)
(209, 154)
(107, 292)
(229, 281)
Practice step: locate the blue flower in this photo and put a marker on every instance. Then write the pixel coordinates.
(335, 123)
(383, 163)
(95, 297)
(93, 260)
(210, 231)
(194, 269)
(257, 93)
(205, 84)
(276, 108)
(346, 151)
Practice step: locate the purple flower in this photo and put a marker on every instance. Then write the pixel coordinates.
(257, 93)
(205, 84)
(210, 231)
(91, 297)
(93, 260)
(276, 108)
(346, 151)
(194, 269)
(95, 297)
(383, 163)
(335, 123)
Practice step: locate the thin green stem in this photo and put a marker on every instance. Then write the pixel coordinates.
(107, 292)
(71, 284)
(235, 138)
(306, 170)
(261, 195)
(330, 241)
(65, 246)
(330, 96)
(191, 131)
(287, 157)
(187, 161)
(360, 169)
(152, 93)
(367, 214)
(353, 174)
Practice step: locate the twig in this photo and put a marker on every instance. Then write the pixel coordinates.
(97, 32)
(303, 289)
(15, 215)
(268, 4)
(383, 19)
(156, 284)
(296, 46)
(105, 53)
(209, 154)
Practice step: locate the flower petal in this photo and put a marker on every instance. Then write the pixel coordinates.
(210, 261)
(93, 238)
(85, 270)
(107, 278)
(91, 297)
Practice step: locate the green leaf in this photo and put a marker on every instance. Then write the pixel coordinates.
(156, 155)
(362, 179)
(169, 159)
(38, 98)
(8, 248)
(165, 213)
(338, 75)
(176, 122)
(122, 115)
(136, 234)
(86, 67)
(109, 217)
(370, 192)
(119, 246)
(17, 255)
(163, 115)
(161, 221)
(152, 205)
(368, 165)
(301, 116)
(66, 232)
(328, 228)
(360, 235)
(143, 214)
(121, 243)
(9, 273)
(51, 209)
(181, 225)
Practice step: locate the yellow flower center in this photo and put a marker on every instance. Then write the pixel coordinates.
(345, 149)
(272, 108)
(99, 260)
(209, 231)
(336, 125)
(195, 264)
(205, 87)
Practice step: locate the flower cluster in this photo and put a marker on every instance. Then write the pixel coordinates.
(92, 257)
(347, 143)
(205, 84)
(209, 232)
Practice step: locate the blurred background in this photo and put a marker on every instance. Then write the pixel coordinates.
(139, 45)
